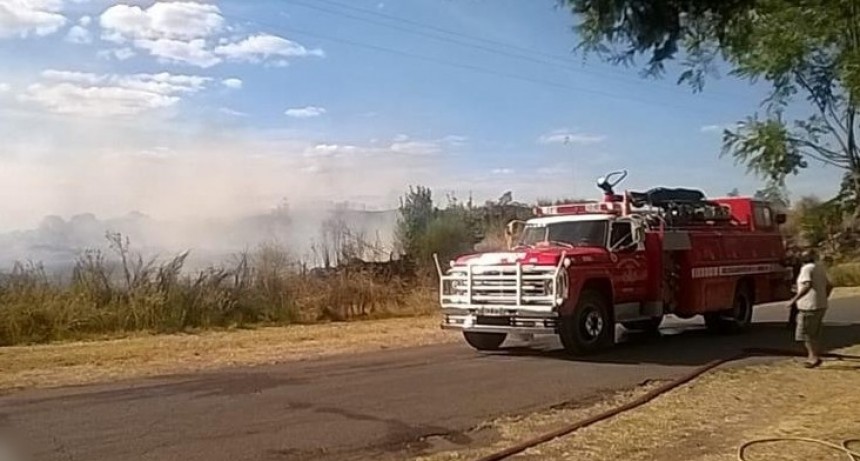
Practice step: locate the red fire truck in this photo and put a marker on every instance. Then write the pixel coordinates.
(578, 269)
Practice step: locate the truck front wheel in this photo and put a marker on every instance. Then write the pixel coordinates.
(589, 327)
(485, 341)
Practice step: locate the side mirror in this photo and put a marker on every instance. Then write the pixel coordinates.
(512, 231)
(781, 218)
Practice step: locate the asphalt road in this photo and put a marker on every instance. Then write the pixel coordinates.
(385, 404)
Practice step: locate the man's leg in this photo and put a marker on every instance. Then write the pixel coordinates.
(811, 351)
(809, 331)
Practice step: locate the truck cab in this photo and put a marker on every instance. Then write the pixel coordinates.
(576, 270)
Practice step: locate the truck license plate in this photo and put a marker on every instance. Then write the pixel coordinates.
(492, 311)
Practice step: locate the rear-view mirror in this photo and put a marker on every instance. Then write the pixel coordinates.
(780, 218)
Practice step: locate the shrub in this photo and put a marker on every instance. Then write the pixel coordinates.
(845, 275)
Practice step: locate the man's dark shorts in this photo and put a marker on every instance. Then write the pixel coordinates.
(809, 325)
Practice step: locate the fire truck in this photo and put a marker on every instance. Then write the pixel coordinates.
(577, 270)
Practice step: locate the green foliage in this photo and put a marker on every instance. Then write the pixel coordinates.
(416, 213)
(775, 194)
(802, 48)
(620, 30)
(425, 230)
(765, 147)
(448, 235)
(817, 224)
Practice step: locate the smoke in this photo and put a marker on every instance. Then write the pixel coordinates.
(214, 188)
(211, 184)
(57, 242)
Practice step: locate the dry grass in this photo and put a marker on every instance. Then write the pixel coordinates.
(845, 275)
(87, 362)
(131, 294)
(709, 419)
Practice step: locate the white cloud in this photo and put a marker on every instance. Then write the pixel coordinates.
(79, 34)
(170, 31)
(192, 52)
(714, 128)
(565, 136)
(118, 53)
(24, 18)
(187, 32)
(163, 20)
(455, 140)
(416, 147)
(232, 83)
(305, 112)
(232, 112)
(333, 150)
(4, 87)
(260, 47)
(502, 171)
(79, 93)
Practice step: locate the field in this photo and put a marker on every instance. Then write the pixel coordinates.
(263, 288)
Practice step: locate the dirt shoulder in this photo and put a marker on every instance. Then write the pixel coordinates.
(98, 361)
(706, 420)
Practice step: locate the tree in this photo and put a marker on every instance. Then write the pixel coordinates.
(819, 223)
(775, 194)
(803, 48)
(416, 213)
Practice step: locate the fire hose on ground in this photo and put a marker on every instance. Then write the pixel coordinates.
(654, 393)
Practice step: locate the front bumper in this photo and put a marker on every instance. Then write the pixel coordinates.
(511, 298)
(516, 323)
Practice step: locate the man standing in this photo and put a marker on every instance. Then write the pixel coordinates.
(813, 289)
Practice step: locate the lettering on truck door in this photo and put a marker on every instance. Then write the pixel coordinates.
(629, 269)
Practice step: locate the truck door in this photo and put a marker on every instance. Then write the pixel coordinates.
(629, 268)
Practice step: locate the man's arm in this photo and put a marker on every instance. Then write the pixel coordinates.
(804, 282)
(804, 289)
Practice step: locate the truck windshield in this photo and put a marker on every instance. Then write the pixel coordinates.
(574, 233)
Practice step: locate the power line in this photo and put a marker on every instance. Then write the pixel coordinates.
(470, 67)
(498, 48)
(483, 70)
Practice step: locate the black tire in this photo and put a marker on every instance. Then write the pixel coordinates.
(485, 341)
(734, 320)
(590, 327)
(650, 326)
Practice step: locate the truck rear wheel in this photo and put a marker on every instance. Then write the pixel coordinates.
(589, 327)
(485, 341)
(736, 319)
(650, 326)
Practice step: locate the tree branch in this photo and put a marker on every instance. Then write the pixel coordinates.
(833, 163)
(821, 150)
(822, 108)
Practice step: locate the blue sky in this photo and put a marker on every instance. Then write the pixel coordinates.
(182, 109)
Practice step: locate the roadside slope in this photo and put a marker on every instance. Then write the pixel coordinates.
(706, 420)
